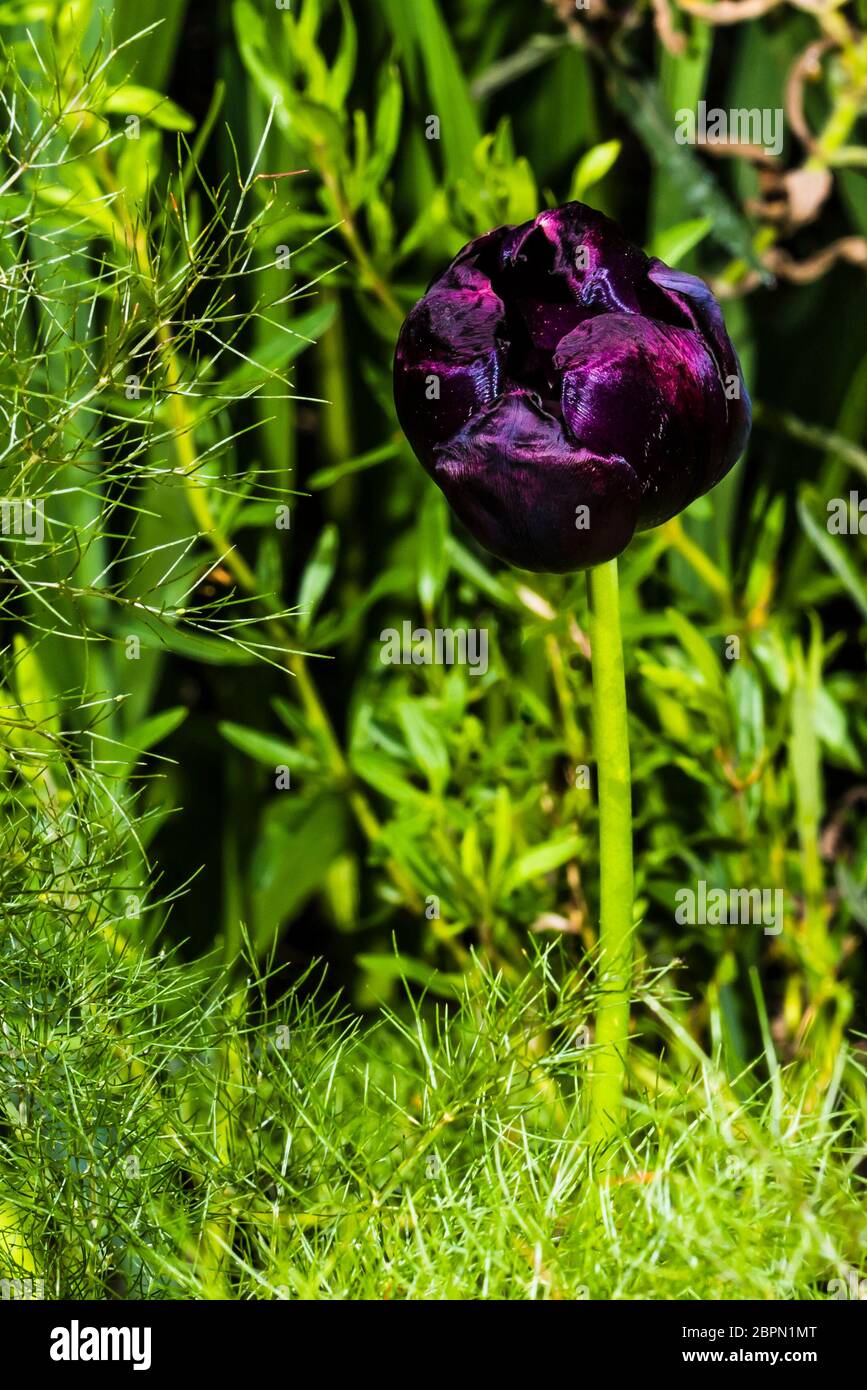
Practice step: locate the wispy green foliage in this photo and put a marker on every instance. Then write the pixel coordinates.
(201, 284)
(165, 1136)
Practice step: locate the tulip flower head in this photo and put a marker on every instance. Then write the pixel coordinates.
(565, 390)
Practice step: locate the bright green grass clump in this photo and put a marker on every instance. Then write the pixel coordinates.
(167, 1134)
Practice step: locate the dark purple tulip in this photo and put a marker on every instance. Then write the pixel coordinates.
(565, 391)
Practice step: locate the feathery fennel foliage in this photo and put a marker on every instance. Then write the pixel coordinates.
(166, 1135)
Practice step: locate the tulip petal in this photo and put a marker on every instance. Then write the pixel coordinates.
(447, 362)
(650, 393)
(583, 258)
(519, 486)
(696, 300)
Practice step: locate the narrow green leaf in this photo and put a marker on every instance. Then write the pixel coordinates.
(317, 576)
(833, 550)
(132, 100)
(502, 835)
(593, 166)
(416, 972)
(387, 775)
(297, 842)
(154, 53)
(267, 749)
(674, 243)
(325, 477)
(343, 71)
(451, 102)
(152, 731)
(386, 131)
(433, 556)
(425, 743)
(699, 650)
(534, 863)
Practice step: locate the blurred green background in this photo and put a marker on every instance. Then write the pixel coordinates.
(410, 784)
(215, 220)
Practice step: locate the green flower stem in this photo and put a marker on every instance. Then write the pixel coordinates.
(611, 741)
